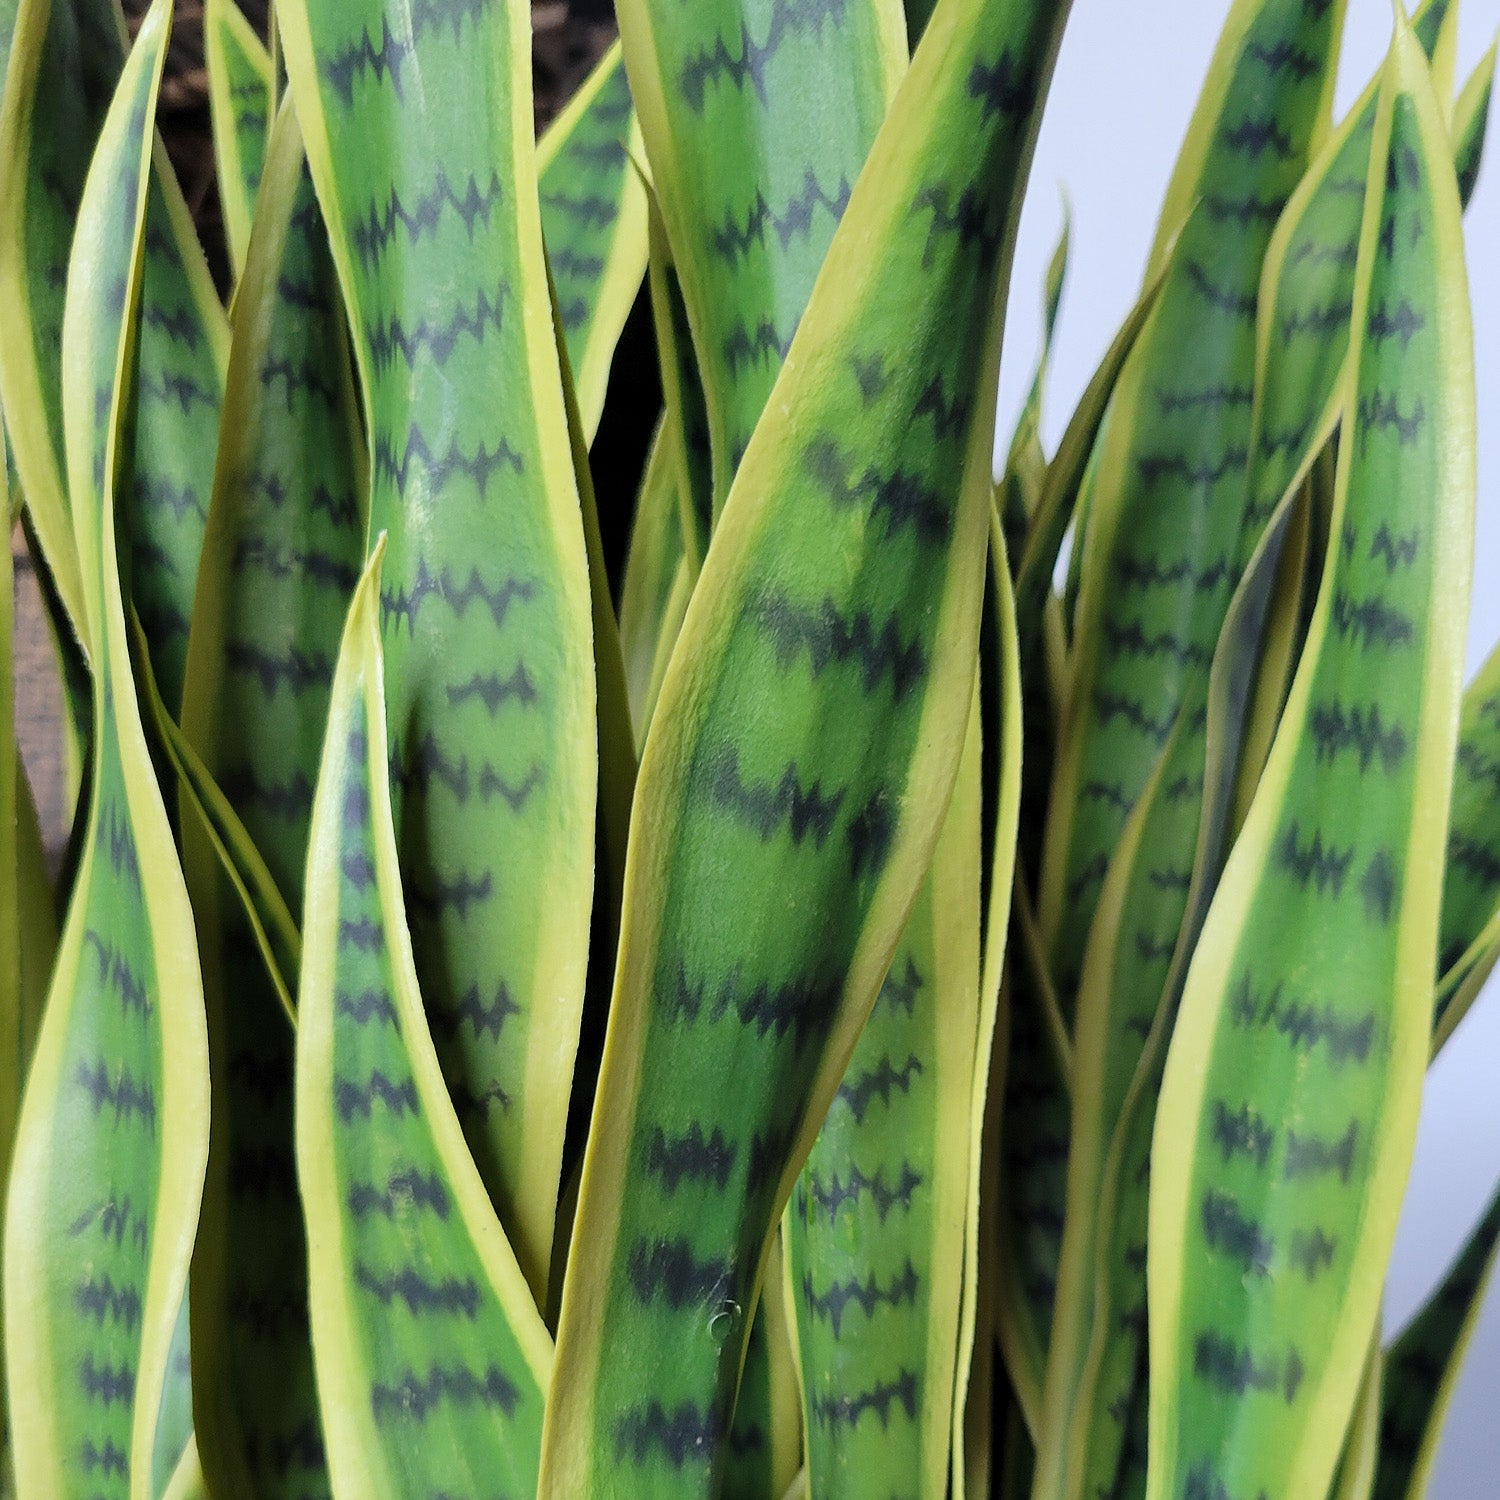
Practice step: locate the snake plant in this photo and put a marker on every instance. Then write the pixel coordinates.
(906, 981)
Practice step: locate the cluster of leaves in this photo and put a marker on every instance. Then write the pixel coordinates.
(835, 1009)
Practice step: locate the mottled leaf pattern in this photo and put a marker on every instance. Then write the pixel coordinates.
(241, 87)
(64, 60)
(594, 220)
(804, 743)
(485, 614)
(283, 551)
(875, 1225)
(113, 1136)
(1421, 1367)
(431, 1357)
(1289, 1105)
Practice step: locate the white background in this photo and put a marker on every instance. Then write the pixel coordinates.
(1126, 83)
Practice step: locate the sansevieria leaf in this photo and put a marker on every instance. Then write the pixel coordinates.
(281, 557)
(757, 117)
(1422, 1366)
(486, 610)
(63, 59)
(113, 1137)
(1471, 120)
(1289, 1105)
(798, 767)
(432, 1359)
(875, 1227)
(594, 220)
(241, 86)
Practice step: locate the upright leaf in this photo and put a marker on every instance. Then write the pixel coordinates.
(241, 87)
(281, 556)
(1422, 1366)
(594, 220)
(1471, 120)
(875, 1227)
(431, 1356)
(757, 117)
(799, 765)
(1169, 490)
(113, 1137)
(486, 610)
(1288, 1110)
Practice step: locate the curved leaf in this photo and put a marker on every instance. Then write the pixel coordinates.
(431, 1357)
(1422, 1366)
(486, 613)
(798, 767)
(1288, 1109)
(113, 1137)
(757, 117)
(281, 556)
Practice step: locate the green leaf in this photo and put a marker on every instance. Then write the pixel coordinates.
(113, 1136)
(876, 1226)
(1289, 1105)
(281, 556)
(594, 220)
(1422, 1365)
(806, 742)
(1471, 119)
(1026, 462)
(652, 602)
(757, 116)
(241, 88)
(486, 612)
(431, 1356)
(1168, 498)
(63, 62)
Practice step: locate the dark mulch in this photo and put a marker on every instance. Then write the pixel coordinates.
(568, 37)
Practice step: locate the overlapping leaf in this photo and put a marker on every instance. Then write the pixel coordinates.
(807, 735)
(432, 1360)
(486, 609)
(594, 219)
(1421, 1367)
(791, 92)
(241, 88)
(1289, 1106)
(113, 1136)
(875, 1227)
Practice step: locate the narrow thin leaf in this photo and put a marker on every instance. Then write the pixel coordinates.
(594, 220)
(486, 613)
(281, 556)
(1422, 1366)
